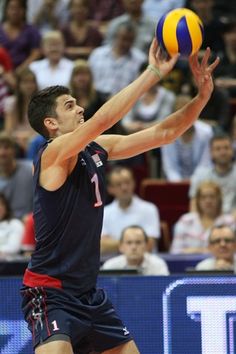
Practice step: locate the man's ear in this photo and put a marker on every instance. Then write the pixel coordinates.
(51, 123)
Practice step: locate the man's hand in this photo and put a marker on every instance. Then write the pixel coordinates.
(202, 73)
(161, 60)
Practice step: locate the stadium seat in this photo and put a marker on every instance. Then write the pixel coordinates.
(172, 200)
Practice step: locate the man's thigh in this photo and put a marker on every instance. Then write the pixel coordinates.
(57, 346)
(127, 348)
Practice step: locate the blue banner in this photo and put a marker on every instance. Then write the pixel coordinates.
(166, 315)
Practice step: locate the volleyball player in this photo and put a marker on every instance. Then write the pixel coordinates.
(65, 311)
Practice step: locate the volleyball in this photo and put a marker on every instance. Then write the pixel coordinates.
(180, 31)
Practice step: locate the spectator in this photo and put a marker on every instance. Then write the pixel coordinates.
(226, 72)
(222, 171)
(82, 88)
(15, 178)
(233, 134)
(105, 10)
(54, 69)
(222, 245)
(116, 65)
(80, 36)
(133, 249)
(16, 106)
(7, 80)
(47, 17)
(21, 39)
(11, 230)
(135, 16)
(182, 157)
(156, 104)
(40, 10)
(126, 209)
(192, 229)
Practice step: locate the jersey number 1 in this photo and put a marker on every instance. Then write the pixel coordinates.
(94, 179)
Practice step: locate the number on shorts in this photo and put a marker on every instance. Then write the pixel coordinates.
(55, 326)
(94, 179)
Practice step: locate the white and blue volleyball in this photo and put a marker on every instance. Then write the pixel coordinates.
(180, 31)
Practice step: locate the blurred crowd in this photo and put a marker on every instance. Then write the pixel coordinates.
(97, 47)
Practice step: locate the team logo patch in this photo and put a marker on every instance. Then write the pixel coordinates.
(97, 160)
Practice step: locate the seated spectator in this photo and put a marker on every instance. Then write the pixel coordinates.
(192, 229)
(16, 181)
(133, 249)
(28, 239)
(105, 10)
(126, 209)
(11, 230)
(156, 104)
(7, 80)
(54, 69)
(134, 16)
(181, 158)
(80, 36)
(16, 121)
(83, 90)
(222, 245)
(226, 71)
(222, 171)
(48, 15)
(21, 39)
(117, 64)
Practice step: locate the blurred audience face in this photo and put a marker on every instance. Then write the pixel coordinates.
(209, 199)
(7, 155)
(230, 38)
(81, 77)
(27, 83)
(124, 40)
(132, 6)
(79, 10)
(133, 245)
(121, 185)
(53, 46)
(202, 6)
(222, 243)
(15, 12)
(222, 152)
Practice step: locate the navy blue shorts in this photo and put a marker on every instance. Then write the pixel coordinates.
(89, 319)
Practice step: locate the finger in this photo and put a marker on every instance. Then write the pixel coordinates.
(193, 61)
(214, 65)
(174, 59)
(206, 57)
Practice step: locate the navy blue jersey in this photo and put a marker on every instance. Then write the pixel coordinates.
(68, 225)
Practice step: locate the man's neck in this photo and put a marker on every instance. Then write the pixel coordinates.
(124, 204)
(223, 169)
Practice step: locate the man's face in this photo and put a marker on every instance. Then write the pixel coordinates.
(121, 185)
(7, 155)
(222, 152)
(124, 40)
(133, 245)
(53, 48)
(69, 114)
(222, 243)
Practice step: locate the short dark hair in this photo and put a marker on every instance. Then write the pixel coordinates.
(42, 105)
(133, 227)
(219, 136)
(222, 226)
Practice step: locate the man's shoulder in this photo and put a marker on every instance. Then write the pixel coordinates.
(143, 203)
(115, 262)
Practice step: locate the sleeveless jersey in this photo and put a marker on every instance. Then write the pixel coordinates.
(68, 225)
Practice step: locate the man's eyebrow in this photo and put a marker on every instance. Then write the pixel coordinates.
(70, 100)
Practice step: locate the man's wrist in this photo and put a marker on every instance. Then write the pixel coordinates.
(154, 69)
